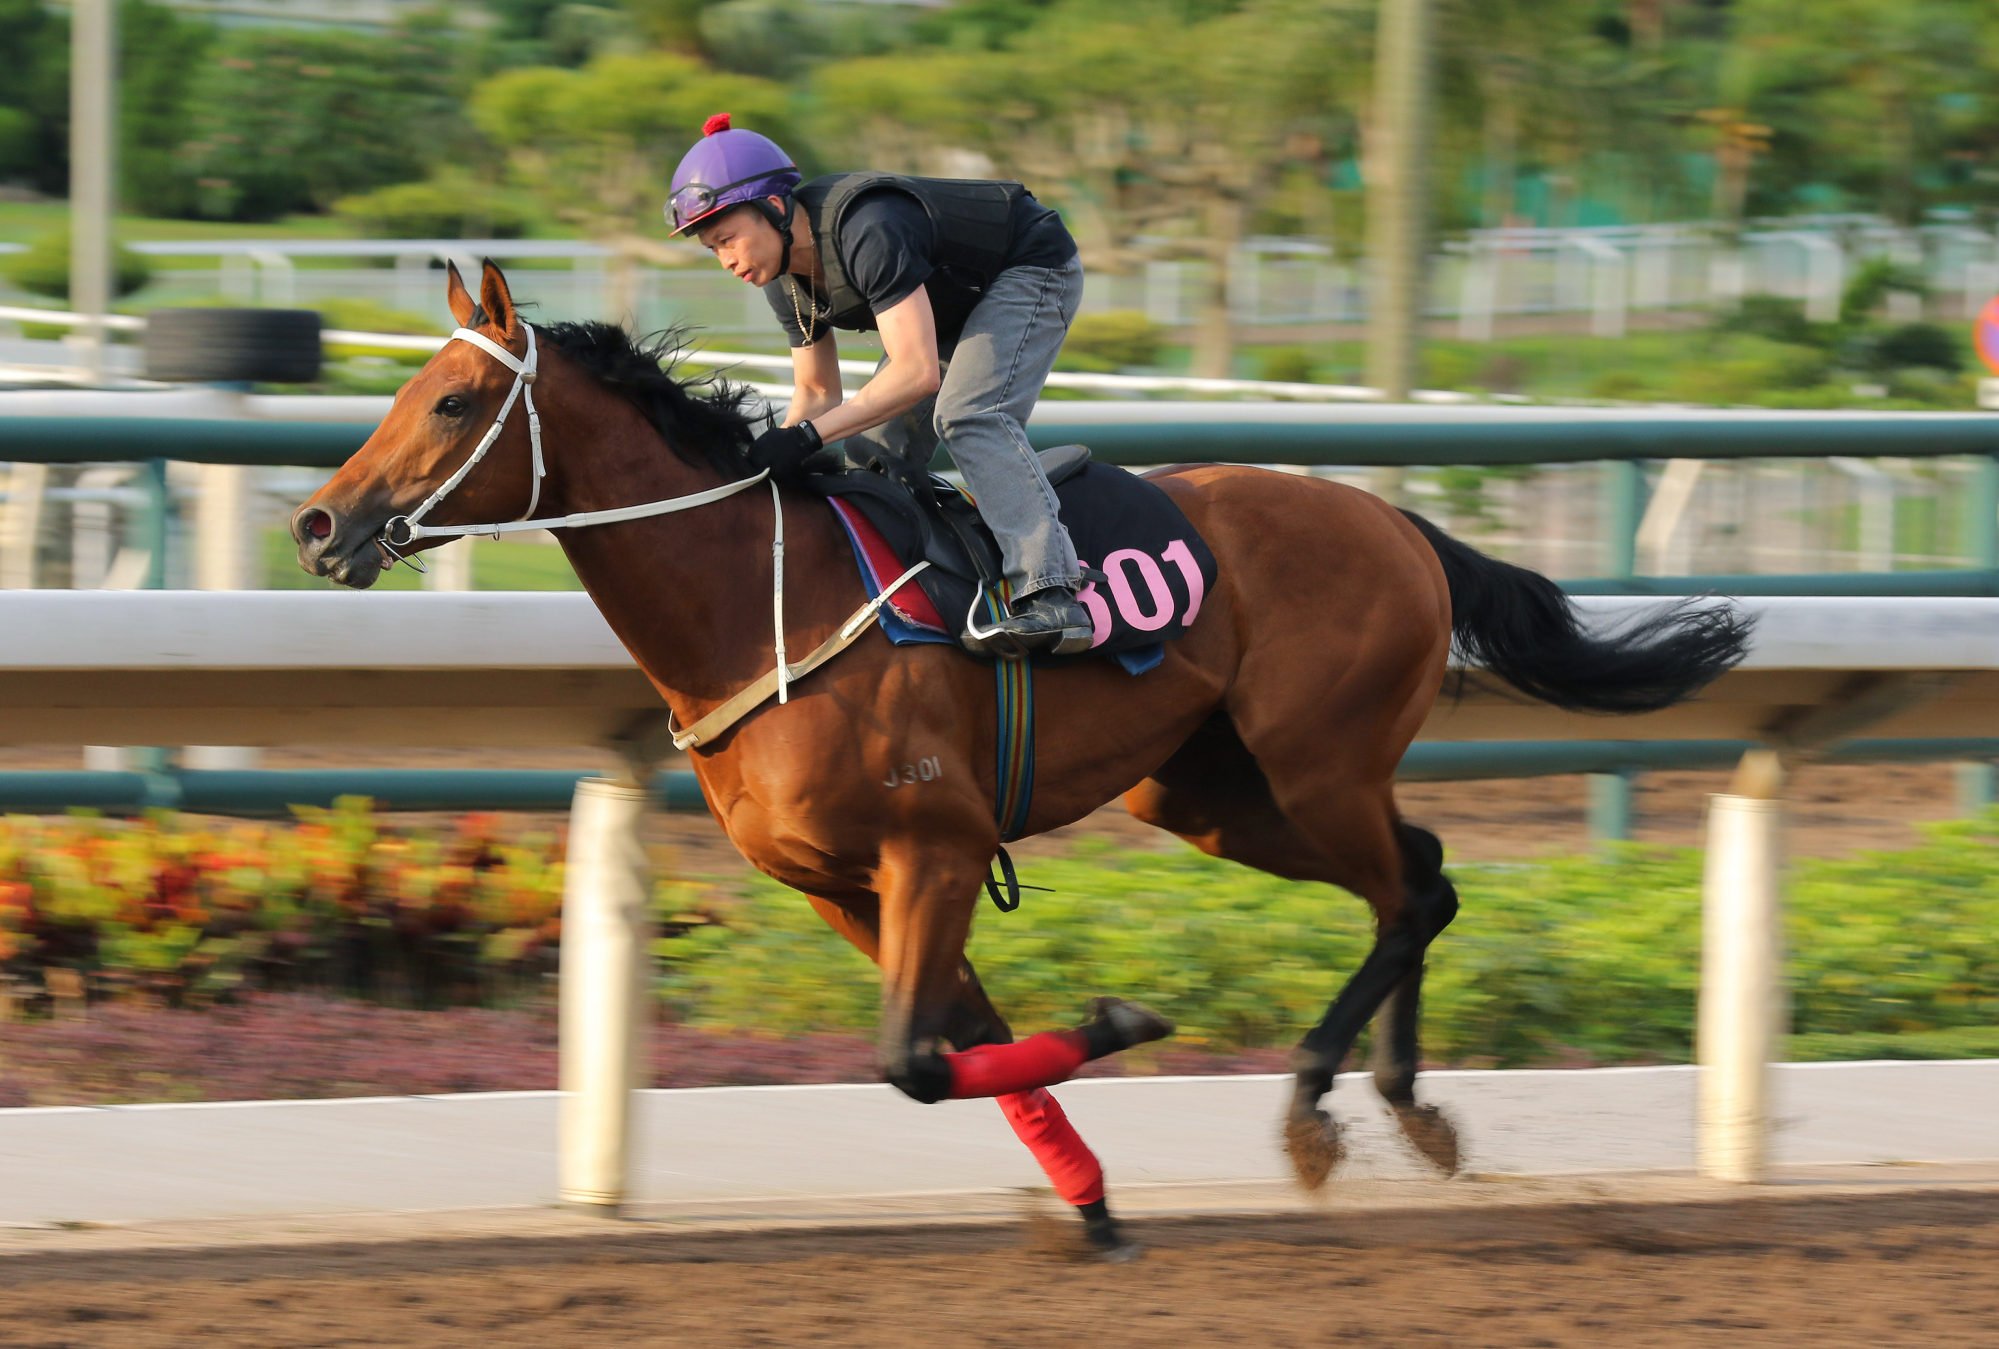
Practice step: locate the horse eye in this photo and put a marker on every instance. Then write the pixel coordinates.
(451, 405)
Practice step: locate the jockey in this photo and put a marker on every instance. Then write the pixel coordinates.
(972, 286)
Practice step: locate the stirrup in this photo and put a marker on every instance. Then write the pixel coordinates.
(1002, 643)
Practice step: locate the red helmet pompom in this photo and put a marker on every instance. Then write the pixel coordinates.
(719, 122)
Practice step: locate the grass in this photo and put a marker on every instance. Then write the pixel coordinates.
(23, 222)
(501, 564)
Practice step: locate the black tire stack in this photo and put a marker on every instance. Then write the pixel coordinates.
(233, 346)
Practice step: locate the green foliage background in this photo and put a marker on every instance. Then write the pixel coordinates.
(1568, 961)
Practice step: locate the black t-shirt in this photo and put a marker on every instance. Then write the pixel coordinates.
(888, 247)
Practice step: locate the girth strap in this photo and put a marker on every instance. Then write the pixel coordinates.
(1013, 746)
(757, 694)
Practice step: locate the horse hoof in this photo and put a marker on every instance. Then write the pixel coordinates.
(1430, 1131)
(1108, 1243)
(1312, 1141)
(1129, 1024)
(1123, 1253)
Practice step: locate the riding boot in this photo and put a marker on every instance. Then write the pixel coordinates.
(1050, 620)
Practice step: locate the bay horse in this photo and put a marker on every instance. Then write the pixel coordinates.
(1269, 734)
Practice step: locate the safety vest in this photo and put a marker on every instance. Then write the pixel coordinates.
(973, 218)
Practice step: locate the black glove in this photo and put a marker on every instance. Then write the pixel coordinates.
(784, 449)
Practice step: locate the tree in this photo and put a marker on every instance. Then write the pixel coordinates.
(1166, 127)
(159, 56)
(1870, 95)
(288, 120)
(34, 96)
(596, 145)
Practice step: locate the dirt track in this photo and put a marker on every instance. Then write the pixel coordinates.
(1892, 1269)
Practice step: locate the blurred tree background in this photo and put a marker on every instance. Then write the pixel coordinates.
(1164, 129)
(1141, 117)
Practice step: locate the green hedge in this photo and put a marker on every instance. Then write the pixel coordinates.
(1564, 962)
(1568, 961)
(43, 268)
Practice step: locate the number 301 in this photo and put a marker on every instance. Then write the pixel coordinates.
(1155, 610)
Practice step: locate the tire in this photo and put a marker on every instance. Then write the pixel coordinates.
(229, 346)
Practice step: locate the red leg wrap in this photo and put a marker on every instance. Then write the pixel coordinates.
(1038, 1121)
(998, 1070)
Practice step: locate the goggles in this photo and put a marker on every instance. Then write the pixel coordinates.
(696, 200)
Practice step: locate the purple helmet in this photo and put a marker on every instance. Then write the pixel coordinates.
(726, 168)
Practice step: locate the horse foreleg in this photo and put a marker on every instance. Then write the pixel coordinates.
(926, 915)
(1036, 1117)
(1039, 1122)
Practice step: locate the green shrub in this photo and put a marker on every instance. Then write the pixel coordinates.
(1871, 284)
(372, 316)
(43, 268)
(1624, 384)
(1959, 1042)
(1918, 344)
(1449, 367)
(1284, 365)
(1569, 960)
(1751, 378)
(1772, 316)
(1504, 372)
(366, 369)
(443, 208)
(1931, 388)
(1113, 340)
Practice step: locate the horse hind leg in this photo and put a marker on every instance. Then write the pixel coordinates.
(1216, 796)
(1433, 901)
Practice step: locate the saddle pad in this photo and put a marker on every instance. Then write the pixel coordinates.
(908, 616)
(1157, 570)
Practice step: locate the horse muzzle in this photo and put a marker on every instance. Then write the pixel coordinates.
(337, 548)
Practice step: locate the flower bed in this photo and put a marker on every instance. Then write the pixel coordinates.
(170, 911)
(1571, 961)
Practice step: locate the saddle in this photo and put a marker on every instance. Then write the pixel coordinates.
(1145, 569)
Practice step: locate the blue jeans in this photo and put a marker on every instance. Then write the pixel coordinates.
(989, 387)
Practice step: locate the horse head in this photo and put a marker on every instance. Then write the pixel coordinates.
(451, 416)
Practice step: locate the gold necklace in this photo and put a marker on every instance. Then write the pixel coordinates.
(809, 329)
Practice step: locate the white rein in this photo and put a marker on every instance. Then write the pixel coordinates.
(411, 528)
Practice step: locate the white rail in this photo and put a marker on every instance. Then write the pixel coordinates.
(496, 670)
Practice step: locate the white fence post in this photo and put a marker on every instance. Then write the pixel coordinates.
(21, 526)
(225, 558)
(450, 566)
(1741, 996)
(605, 991)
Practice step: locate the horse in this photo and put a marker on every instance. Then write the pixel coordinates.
(1269, 733)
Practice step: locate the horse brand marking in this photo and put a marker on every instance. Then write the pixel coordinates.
(923, 770)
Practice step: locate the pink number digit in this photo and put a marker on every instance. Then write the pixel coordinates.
(1127, 601)
(1100, 612)
(1181, 556)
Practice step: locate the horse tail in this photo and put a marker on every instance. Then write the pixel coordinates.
(1520, 626)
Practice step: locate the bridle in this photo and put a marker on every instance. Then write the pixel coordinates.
(401, 531)
(777, 682)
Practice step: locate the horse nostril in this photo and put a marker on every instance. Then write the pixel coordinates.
(313, 523)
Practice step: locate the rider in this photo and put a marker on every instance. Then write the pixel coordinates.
(972, 285)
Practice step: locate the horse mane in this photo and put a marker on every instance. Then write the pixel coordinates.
(700, 419)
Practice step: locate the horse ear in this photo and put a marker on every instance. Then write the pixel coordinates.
(498, 302)
(459, 298)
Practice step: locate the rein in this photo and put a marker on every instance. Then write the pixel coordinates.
(403, 530)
